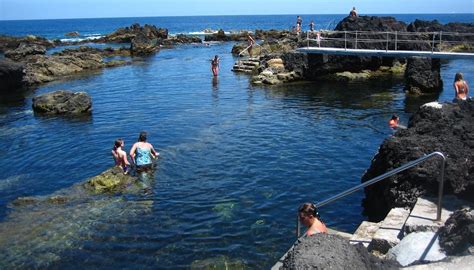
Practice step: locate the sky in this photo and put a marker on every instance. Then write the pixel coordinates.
(61, 9)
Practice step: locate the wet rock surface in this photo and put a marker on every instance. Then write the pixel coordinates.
(111, 180)
(63, 102)
(448, 128)
(324, 251)
(457, 234)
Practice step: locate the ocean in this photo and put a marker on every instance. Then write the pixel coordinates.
(237, 159)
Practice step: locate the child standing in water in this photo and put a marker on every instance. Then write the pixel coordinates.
(215, 65)
(120, 156)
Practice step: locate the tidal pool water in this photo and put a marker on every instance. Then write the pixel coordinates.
(237, 160)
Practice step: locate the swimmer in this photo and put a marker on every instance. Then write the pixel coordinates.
(215, 65)
(309, 217)
(394, 122)
(461, 89)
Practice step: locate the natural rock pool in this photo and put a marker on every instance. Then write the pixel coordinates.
(236, 162)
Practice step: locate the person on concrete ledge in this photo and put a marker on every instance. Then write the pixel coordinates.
(309, 217)
(461, 88)
(353, 12)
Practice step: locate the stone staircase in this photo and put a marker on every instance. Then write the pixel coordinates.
(248, 65)
(380, 237)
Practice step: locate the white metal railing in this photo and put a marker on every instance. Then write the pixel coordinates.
(386, 175)
(396, 38)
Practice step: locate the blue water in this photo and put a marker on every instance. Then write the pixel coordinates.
(237, 160)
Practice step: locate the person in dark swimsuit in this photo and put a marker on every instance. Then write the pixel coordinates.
(310, 218)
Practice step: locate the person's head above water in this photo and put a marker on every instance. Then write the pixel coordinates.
(458, 77)
(216, 57)
(307, 213)
(394, 117)
(142, 136)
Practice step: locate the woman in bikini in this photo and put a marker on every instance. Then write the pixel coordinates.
(461, 89)
(215, 66)
(309, 217)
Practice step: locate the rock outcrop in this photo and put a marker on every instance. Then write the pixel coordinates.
(63, 102)
(324, 251)
(423, 76)
(112, 180)
(11, 75)
(448, 128)
(457, 234)
(11, 43)
(72, 34)
(25, 50)
(222, 36)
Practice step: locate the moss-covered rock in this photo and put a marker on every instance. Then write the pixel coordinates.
(112, 180)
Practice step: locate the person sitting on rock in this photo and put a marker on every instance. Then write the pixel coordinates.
(142, 153)
(309, 217)
(120, 156)
(460, 87)
(215, 65)
(311, 26)
(299, 22)
(353, 12)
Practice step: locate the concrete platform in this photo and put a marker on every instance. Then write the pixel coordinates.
(390, 231)
(364, 233)
(423, 215)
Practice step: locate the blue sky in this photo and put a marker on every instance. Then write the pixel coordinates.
(55, 9)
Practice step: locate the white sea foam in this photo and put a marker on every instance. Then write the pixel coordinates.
(86, 37)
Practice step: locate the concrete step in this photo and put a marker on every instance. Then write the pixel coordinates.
(390, 231)
(423, 215)
(364, 233)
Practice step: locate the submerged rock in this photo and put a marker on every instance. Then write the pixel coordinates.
(63, 102)
(221, 262)
(324, 251)
(449, 129)
(457, 234)
(109, 181)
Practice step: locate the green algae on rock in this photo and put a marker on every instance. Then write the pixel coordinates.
(111, 180)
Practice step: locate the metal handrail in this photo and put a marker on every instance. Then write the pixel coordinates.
(386, 175)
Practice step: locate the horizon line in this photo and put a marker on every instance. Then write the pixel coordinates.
(167, 16)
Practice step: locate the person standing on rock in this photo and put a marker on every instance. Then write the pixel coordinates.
(311, 26)
(215, 66)
(353, 12)
(142, 153)
(299, 22)
(250, 43)
(120, 156)
(460, 87)
(309, 217)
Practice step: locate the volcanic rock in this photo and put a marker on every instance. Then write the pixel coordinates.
(72, 34)
(422, 75)
(324, 251)
(25, 50)
(63, 102)
(11, 75)
(457, 234)
(450, 130)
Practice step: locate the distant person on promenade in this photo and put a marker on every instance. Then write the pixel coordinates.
(311, 26)
(142, 153)
(250, 43)
(299, 22)
(120, 156)
(461, 88)
(309, 217)
(353, 12)
(215, 65)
